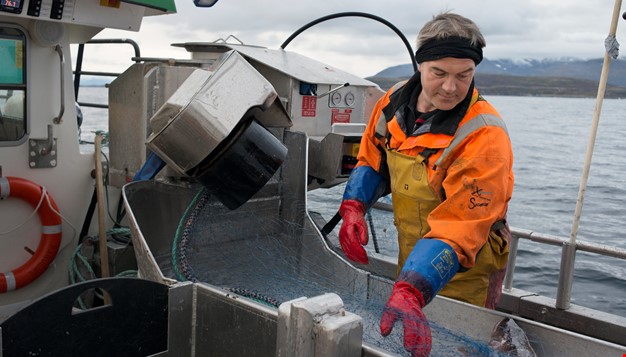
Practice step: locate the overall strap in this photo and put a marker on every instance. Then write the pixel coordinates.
(426, 153)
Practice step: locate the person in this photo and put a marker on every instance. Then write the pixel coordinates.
(444, 154)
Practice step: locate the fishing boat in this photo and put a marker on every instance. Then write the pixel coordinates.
(211, 249)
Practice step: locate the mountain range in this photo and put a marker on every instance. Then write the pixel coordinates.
(566, 77)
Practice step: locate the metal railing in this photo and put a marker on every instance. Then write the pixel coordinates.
(567, 257)
(78, 71)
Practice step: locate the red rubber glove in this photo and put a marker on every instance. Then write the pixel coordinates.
(353, 232)
(406, 303)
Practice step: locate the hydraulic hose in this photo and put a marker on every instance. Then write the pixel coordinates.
(355, 14)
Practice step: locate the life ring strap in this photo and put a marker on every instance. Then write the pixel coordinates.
(5, 188)
(7, 282)
(51, 229)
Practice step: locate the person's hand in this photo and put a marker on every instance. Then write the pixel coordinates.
(429, 267)
(353, 232)
(406, 303)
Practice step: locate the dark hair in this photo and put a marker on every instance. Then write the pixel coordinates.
(448, 24)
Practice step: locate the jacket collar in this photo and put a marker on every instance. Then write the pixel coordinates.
(403, 103)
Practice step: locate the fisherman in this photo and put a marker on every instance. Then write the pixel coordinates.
(444, 154)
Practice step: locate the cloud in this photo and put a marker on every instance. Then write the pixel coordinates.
(516, 30)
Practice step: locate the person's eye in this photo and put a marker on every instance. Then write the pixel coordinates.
(466, 76)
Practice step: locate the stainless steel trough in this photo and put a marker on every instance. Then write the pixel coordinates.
(272, 246)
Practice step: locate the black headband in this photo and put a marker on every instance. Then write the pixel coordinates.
(453, 46)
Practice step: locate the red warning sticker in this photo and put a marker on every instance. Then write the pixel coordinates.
(339, 116)
(309, 106)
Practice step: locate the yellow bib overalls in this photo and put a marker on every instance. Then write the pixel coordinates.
(413, 200)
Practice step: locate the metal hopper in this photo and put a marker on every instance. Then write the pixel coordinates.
(271, 245)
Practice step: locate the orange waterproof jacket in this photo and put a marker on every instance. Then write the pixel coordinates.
(473, 179)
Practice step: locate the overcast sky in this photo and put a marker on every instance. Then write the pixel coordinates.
(513, 29)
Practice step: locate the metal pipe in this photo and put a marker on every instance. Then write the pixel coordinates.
(538, 237)
(78, 70)
(601, 249)
(93, 105)
(510, 265)
(331, 91)
(119, 40)
(517, 233)
(102, 237)
(174, 61)
(566, 276)
(103, 74)
(59, 118)
(567, 256)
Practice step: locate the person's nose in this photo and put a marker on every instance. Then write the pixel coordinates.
(449, 84)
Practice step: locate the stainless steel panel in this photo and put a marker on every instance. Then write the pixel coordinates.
(205, 109)
(229, 325)
(134, 97)
(301, 67)
(546, 340)
(323, 158)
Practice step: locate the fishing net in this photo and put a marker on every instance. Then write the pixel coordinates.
(273, 261)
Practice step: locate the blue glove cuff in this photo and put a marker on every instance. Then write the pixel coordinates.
(365, 185)
(430, 265)
(150, 168)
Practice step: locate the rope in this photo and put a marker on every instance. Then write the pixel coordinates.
(256, 296)
(78, 260)
(121, 235)
(612, 46)
(43, 196)
(180, 262)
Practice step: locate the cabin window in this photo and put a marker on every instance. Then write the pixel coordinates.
(12, 85)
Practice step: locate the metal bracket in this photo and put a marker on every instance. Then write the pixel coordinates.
(42, 153)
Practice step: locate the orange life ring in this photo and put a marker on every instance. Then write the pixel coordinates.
(51, 233)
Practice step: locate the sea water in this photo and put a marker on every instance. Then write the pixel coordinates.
(550, 138)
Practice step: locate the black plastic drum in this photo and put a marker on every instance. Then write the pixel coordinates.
(242, 164)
